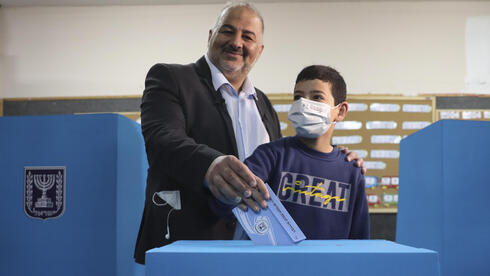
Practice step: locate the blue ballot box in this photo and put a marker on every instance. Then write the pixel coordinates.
(444, 194)
(310, 257)
(72, 192)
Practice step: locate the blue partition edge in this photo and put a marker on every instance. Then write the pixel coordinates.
(132, 168)
(443, 196)
(105, 174)
(416, 206)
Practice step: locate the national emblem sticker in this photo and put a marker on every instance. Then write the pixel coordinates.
(262, 225)
(44, 191)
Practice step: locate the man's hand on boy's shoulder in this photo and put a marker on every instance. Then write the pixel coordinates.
(352, 155)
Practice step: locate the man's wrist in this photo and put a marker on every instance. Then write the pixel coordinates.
(210, 168)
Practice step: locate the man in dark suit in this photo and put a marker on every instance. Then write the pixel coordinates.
(190, 136)
(199, 121)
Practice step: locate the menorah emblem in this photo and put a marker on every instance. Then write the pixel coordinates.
(44, 182)
(44, 191)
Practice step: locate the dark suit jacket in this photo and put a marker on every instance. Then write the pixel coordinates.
(186, 126)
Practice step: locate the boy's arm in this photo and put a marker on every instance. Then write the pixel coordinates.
(262, 162)
(360, 217)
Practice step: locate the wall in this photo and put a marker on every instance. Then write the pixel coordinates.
(380, 47)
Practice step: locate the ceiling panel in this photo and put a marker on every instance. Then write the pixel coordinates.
(22, 3)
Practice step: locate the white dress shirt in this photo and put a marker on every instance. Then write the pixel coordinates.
(249, 130)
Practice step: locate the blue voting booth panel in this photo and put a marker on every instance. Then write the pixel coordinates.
(71, 194)
(311, 257)
(444, 194)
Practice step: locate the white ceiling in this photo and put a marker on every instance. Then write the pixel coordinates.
(23, 3)
(18, 3)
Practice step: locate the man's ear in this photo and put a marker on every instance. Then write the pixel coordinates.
(343, 108)
(209, 35)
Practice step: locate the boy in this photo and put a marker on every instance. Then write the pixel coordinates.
(323, 193)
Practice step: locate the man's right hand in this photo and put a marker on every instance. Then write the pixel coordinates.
(231, 182)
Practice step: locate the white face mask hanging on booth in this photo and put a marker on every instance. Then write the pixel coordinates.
(310, 119)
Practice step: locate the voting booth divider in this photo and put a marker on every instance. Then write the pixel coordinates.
(72, 194)
(444, 194)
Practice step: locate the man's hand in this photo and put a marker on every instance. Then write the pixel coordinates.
(231, 182)
(351, 155)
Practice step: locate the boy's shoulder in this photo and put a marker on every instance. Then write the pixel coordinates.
(342, 159)
(292, 144)
(278, 145)
(338, 159)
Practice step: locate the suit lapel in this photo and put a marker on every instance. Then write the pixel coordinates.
(204, 73)
(259, 101)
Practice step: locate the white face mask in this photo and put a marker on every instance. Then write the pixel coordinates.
(310, 119)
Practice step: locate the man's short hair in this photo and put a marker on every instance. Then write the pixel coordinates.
(326, 74)
(234, 5)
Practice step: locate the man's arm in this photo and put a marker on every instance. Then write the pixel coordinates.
(231, 182)
(171, 150)
(260, 164)
(163, 123)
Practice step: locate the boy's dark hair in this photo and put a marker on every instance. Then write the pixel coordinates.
(326, 74)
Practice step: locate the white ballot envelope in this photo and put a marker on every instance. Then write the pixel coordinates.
(271, 226)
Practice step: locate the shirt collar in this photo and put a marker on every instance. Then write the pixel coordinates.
(219, 80)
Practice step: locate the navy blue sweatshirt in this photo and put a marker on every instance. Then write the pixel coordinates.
(323, 193)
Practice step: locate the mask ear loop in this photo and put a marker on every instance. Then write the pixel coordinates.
(335, 107)
(167, 234)
(157, 204)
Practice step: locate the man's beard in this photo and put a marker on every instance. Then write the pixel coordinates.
(231, 68)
